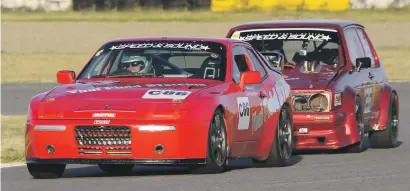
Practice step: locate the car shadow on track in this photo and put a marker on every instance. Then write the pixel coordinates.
(94, 171)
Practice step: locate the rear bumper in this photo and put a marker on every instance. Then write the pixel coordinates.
(187, 144)
(321, 131)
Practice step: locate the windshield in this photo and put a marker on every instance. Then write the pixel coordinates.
(308, 49)
(165, 59)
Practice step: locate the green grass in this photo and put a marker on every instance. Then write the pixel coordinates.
(12, 139)
(363, 16)
(42, 67)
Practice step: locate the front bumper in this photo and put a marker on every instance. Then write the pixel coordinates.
(117, 161)
(187, 144)
(328, 130)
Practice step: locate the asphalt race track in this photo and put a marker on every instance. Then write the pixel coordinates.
(374, 169)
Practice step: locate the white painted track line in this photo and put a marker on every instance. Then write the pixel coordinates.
(11, 165)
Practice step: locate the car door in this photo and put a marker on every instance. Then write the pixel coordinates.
(260, 115)
(249, 100)
(359, 80)
(375, 74)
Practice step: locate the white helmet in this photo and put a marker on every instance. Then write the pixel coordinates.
(145, 61)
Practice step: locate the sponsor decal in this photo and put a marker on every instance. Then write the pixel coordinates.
(99, 52)
(186, 46)
(286, 36)
(322, 117)
(297, 78)
(244, 113)
(368, 93)
(102, 122)
(103, 114)
(338, 99)
(235, 35)
(131, 87)
(166, 94)
(257, 120)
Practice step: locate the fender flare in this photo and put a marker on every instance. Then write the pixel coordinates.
(385, 97)
(348, 106)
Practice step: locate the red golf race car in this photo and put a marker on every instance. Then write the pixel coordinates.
(162, 101)
(339, 86)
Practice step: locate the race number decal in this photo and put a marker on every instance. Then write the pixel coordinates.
(166, 94)
(368, 93)
(244, 110)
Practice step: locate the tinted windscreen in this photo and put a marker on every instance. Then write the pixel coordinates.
(296, 44)
(166, 59)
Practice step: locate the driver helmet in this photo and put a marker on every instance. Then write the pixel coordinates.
(135, 60)
(275, 46)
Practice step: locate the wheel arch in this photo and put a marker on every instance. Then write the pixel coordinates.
(385, 100)
(269, 134)
(349, 97)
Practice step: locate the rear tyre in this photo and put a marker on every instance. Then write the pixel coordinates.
(282, 147)
(216, 160)
(116, 169)
(388, 138)
(45, 171)
(359, 146)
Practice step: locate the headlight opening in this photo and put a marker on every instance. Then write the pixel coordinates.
(318, 102)
(300, 103)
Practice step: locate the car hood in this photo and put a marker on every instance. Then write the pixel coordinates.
(299, 80)
(116, 99)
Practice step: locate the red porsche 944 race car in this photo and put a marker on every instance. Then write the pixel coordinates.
(162, 101)
(339, 87)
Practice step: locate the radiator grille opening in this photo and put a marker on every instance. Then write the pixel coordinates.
(103, 135)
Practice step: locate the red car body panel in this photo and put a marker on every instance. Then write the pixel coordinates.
(119, 102)
(335, 128)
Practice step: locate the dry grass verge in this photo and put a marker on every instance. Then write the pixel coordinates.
(39, 67)
(12, 139)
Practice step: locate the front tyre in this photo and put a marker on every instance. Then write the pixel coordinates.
(45, 171)
(282, 147)
(388, 138)
(216, 160)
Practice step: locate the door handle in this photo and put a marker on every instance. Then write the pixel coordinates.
(262, 95)
(371, 76)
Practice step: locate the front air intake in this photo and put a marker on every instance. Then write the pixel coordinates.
(103, 135)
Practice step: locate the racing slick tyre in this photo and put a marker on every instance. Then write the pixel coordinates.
(217, 154)
(281, 150)
(116, 169)
(359, 146)
(43, 171)
(387, 138)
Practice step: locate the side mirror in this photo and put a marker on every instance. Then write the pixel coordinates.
(250, 77)
(275, 59)
(65, 77)
(364, 62)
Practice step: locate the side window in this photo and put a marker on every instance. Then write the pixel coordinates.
(239, 63)
(353, 45)
(366, 46)
(266, 62)
(256, 64)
